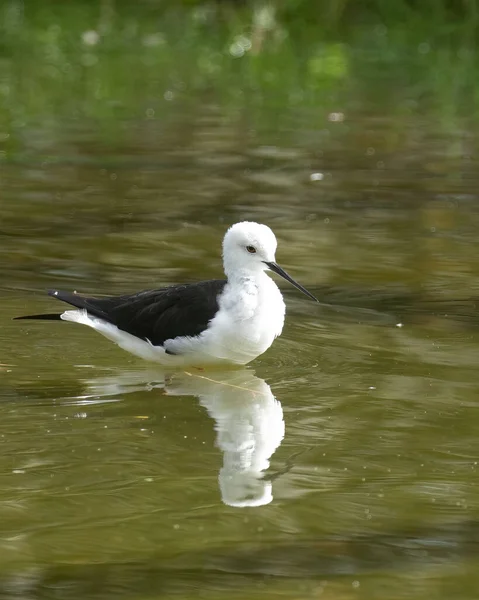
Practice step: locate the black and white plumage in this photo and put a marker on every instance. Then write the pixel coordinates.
(233, 320)
(155, 315)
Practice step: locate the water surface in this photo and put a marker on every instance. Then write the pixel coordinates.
(342, 462)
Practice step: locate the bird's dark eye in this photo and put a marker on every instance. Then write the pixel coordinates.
(251, 249)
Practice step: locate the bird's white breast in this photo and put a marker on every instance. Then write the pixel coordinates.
(251, 316)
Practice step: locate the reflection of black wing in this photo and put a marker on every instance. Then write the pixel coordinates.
(156, 315)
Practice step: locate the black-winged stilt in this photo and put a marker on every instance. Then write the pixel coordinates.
(217, 321)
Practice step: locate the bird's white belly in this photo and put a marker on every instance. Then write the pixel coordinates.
(241, 344)
(219, 344)
(245, 326)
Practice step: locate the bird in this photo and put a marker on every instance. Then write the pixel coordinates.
(219, 321)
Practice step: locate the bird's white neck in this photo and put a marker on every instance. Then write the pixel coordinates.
(243, 276)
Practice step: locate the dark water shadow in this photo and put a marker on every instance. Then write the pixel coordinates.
(229, 568)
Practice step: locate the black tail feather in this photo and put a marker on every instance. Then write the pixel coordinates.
(47, 317)
(70, 298)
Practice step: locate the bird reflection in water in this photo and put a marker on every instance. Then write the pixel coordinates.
(248, 421)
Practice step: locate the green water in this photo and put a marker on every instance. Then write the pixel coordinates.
(354, 438)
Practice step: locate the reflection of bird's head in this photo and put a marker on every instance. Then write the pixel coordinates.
(244, 488)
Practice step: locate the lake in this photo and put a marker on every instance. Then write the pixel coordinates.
(342, 463)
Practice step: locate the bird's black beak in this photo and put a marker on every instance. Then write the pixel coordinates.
(277, 269)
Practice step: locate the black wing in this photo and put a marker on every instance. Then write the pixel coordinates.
(155, 315)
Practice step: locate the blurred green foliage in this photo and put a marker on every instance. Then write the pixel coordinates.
(115, 59)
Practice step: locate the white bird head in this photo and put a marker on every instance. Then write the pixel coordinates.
(249, 248)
